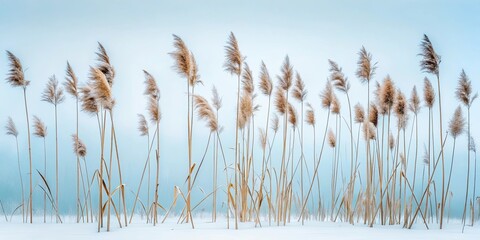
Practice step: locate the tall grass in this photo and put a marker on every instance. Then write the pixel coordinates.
(371, 179)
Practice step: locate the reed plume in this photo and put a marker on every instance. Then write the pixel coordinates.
(280, 101)
(71, 81)
(457, 123)
(414, 102)
(366, 68)
(16, 77)
(101, 88)
(40, 130)
(373, 115)
(430, 59)
(387, 93)
(292, 115)
(327, 96)
(338, 78)
(104, 65)
(275, 123)
(331, 138)
(400, 109)
(310, 115)
(359, 113)
(205, 112)
(266, 84)
(154, 109)
(142, 125)
(233, 57)
(216, 99)
(391, 141)
(428, 93)
(369, 131)
(299, 92)
(335, 104)
(79, 148)
(88, 101)
(286, 77)
(11, 128)
(247, 80)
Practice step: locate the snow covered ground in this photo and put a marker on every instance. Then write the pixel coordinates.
(207, 230)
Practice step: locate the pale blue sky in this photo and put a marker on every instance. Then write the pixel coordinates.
(138, 35)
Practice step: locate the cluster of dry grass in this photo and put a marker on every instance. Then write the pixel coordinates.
(371, 186)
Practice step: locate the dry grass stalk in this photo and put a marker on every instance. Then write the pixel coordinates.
(11, 129)
(16, 78)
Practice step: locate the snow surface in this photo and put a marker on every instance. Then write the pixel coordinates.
(207, 230)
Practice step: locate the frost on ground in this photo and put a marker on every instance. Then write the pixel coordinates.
(207, 230)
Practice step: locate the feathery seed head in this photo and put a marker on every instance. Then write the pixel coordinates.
(359, 113)
(299, 91)
(430, 59)
(53, 93)
(464, 90)
(151, 87)
(216, 99)
(71, 81)
(332, 141)
(79, 147)
(247, 80)
(310, 115)
(266, 84)
(10, 128)
(286, 78)
(414, 105)
(366, 69)
(104, 64)
(233, 57)
(205, 112)
(428, 93)
(340, 82)
(88, 101)
(101, 88)
(16, 77)
(457, 123)
(280, 101)
(142, 125)
(39, 128)
(327, 96)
